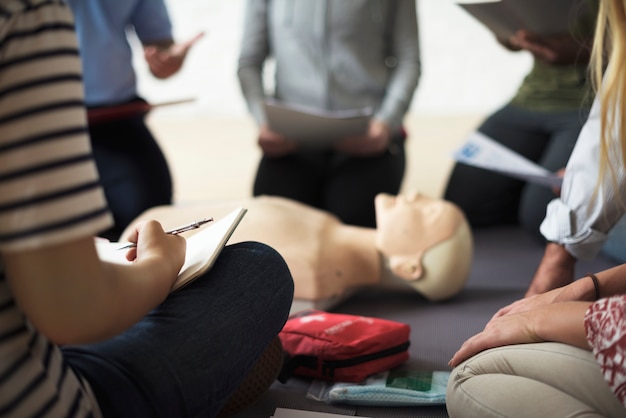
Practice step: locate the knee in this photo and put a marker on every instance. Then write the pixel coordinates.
(273, 274)
(454, 392)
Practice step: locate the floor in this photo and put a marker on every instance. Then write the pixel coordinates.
(215, 158)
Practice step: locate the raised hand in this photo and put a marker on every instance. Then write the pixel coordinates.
(166, 59)
(561, 49)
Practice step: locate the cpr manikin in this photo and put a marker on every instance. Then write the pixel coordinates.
(420, 244)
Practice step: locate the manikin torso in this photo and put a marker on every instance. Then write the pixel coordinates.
(327, 258)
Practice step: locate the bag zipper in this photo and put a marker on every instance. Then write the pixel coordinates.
(329, 366)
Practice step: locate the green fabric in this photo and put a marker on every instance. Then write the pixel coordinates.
(561, 87)
(554, 88)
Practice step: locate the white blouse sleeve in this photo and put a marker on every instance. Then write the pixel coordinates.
(584, 214)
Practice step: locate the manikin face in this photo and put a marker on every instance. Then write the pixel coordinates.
(409, 225)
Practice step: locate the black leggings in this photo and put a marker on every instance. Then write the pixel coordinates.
(546, 138)
(338, 183)
(132, 167)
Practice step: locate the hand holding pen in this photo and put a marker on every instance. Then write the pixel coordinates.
(175, 231)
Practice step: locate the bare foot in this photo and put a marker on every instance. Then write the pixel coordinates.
(555, 270)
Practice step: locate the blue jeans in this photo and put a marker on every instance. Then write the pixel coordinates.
(188, 355)
(133, 170)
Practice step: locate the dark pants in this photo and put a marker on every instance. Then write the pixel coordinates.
(187, 357)
(132, 167)
(335, 182)
(488, 198)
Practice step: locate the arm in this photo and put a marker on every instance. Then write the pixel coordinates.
(555, 269)
(404, 46)
(562, 49)
(561, 322)
(580, 219)
(53, 203)
(572, 48)
(166, 58)
(153, 26)
(254, 51)
(611, 283)
(72, 297)
(404, 78)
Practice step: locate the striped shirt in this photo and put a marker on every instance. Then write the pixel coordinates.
(49, 192)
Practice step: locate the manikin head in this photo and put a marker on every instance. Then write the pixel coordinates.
(426, 244)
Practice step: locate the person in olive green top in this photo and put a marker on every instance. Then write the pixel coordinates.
(541, 122)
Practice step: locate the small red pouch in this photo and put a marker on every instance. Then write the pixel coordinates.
(340, 347)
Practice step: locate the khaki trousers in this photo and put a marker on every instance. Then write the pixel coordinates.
(531, 380)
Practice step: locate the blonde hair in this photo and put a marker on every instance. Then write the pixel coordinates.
(608, 59)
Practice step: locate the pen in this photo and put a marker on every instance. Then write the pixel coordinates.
(175, 231)
(189, 226)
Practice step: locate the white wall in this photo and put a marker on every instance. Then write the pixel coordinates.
(464, 70)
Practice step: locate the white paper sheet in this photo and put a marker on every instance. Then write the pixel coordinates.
(481, 151)
(312, 128)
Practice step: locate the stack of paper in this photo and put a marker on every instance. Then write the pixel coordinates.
(314, 128)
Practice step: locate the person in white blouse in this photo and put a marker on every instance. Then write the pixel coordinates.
(577, 224)
(561, 352)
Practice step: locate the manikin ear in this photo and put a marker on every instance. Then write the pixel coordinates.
(444, 269)
(438, 273)
(407, 267)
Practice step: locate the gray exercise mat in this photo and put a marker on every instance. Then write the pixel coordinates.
(505, 259)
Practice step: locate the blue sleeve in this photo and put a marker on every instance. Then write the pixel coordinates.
(152, 21)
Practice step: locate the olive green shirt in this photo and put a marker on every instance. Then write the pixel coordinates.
(551, 87)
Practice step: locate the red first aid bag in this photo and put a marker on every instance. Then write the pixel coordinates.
(340, 347)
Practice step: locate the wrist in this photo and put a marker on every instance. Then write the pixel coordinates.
(595, 287)
(559, 255)
(583, 289)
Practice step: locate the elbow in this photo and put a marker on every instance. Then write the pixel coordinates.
(78, 329)
(64, 334)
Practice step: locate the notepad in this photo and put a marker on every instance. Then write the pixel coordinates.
(203, 248)
(312, 128)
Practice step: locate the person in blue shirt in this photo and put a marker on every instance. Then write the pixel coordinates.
(132, 166)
